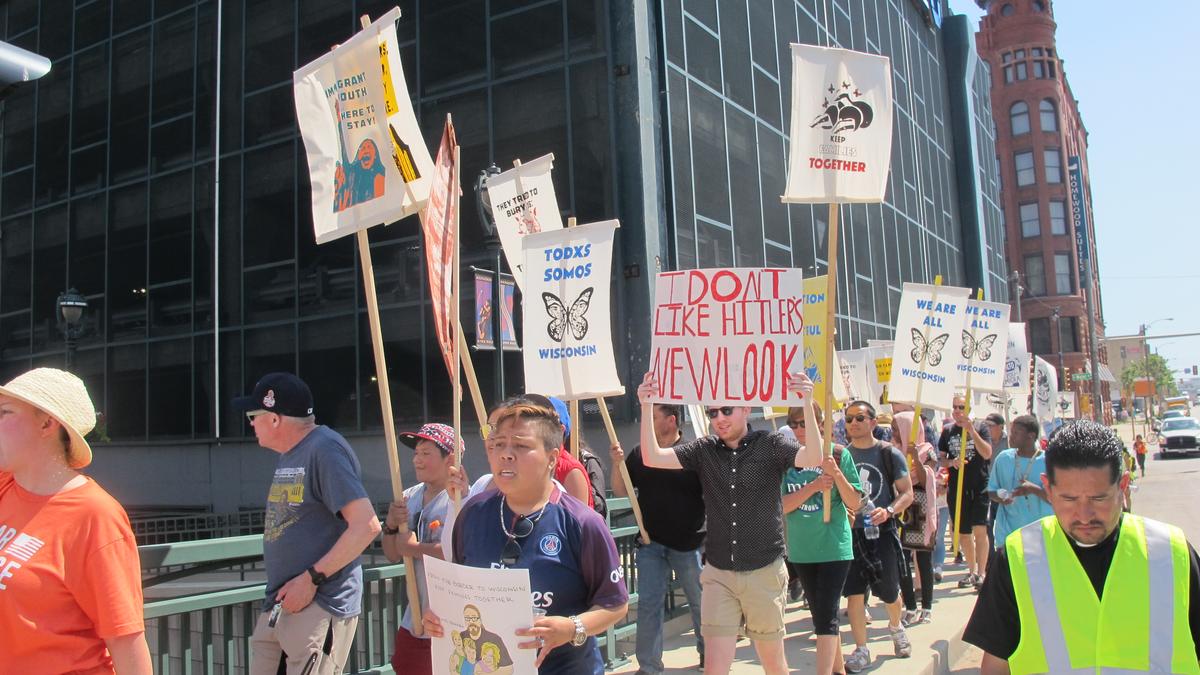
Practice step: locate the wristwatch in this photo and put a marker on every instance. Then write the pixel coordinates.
(317, 577)
(390, 530)
(580, 632)
(890, 510)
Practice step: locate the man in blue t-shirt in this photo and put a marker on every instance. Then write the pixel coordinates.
(1015, 483)
(318, 522)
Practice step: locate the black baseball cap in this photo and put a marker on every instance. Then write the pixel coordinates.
(280, 393)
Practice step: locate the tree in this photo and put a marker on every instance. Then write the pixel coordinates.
(1159, 370)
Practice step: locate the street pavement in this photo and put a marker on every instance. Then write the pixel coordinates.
(937, 647)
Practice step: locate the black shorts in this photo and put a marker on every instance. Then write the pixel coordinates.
(976, 506)
(823, 584)
(887, 586)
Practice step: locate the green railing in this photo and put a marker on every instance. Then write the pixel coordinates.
(210, 632)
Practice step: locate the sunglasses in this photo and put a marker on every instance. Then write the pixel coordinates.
(858, 418)
(250, 415)
(796, 425)
(724, 410)
(960, 407)
(522, 527)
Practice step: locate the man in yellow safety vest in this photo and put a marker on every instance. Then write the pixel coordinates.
(1089, 589)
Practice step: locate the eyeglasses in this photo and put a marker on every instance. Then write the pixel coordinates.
(250, 415)
(796, 425)
(960, 407)
(522, 527)
(857, 418)
(724, 410)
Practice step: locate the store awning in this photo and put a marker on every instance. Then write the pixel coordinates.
(1106, 375)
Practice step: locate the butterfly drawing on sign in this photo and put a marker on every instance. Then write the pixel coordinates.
(980, 350)
(928, 351)
(561, 317)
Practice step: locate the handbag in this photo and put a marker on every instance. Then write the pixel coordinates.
(914, 524)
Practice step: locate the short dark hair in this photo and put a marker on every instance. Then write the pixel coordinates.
(671, 410)
(1084, 444)
(861, 403)
(995, 418)
(1029, 423)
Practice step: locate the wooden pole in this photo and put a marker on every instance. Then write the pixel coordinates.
(830, 335)
(472, 382)
(385, 401)
(633, 500)
(962, 450)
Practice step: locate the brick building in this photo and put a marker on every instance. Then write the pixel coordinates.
(1038, 131)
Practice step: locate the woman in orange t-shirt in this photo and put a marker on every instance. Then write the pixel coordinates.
(1139, 450)
(70, 580)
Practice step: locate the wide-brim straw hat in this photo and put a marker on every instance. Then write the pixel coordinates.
(62, 396)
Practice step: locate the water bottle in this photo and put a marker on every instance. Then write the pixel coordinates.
(870, 530)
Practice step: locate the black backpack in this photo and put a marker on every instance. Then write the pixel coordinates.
(595, 473)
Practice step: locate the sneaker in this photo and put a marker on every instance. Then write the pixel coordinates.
(958, 558)
(937, 574)
(795, 591)
(925, 616)
(901, 643)
(978, 581)
(967, 581)
(859, 659)
(909, 617)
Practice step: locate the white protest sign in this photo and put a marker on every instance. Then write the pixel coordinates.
(523, 202)
(1045, 390)
(928, 345)
(1066, 405)
(984, 338)
(857, 366)
(567, 332)
(727, 336)
(367, 161)
(841, 126)
(481, 610)
(1016, 361)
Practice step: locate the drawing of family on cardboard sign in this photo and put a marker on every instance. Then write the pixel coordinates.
(478, 651)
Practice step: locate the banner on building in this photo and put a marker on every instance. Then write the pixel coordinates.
(567, 327)
(841, 126)
(1078, 215)
(928, 345)
(484, 312)
(728, 336)
(367, 160)
(1016, 360)
(984, 341)
(480, 610)
(523, 202)
(1066, 405)
(1045, 390)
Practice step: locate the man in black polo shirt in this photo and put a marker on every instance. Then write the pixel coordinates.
(673, 513)
(973, 522)
(740, 473)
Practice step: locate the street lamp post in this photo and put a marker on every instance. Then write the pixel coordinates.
(492, 239)
(1144, 330)
(1015, 280)
(1057, 315)
(71, 305)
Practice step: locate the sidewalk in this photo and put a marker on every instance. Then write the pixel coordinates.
(937, 646)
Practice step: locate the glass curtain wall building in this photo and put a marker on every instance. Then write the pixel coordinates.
(158, 170)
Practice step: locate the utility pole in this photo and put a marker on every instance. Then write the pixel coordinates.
(1014, 280)
(1146, 368)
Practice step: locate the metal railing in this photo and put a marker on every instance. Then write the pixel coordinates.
(210, 632)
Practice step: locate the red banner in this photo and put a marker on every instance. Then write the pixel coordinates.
(438, 224)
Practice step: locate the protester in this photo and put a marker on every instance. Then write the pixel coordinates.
(1139, 449)
(568, 470)
(1089, 589)
(673, 514)
(423, 510)
(70, 580)
(938, 559)
(820, 552)
(528, 523)
(318, 522)
(744, 575)
(920, 517)
(999, 441)
(972, 521)
(883, 474)
(1015, 484)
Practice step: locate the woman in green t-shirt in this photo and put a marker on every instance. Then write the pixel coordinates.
(821, 552)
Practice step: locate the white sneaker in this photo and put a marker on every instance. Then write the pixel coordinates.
(909, 617)
(901, 643)
(859, 659)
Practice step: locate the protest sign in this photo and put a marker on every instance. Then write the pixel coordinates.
(727, 336)
(481, 610)
(1016, 361)
(841, 126)
(815, 342)
(567, 331)
(1044, 390)
(928, 345)
(439, 225)
(523, 202)
(367, 160)
(856, 366)
(1065, 408)
(984, 337)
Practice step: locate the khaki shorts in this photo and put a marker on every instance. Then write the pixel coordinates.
(757, 596)
(310, 635)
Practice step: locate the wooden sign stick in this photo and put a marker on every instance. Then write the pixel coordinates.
(633, 500)
(830, 331)
(962, 451)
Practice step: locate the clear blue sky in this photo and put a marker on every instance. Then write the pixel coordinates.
(1131, 66)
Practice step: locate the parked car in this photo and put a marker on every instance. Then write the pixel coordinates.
(1179, 436)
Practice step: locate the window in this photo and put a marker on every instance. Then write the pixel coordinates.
(1008, 74)
(1039, 6)
(1062, 274)
(1024, 165)
(1020, 54)
(1048, 115)
(1018, 116)
(1068, 335)
(1039, 70)
(1039, 336)
(1007, 10)
(1006, 57)
(1022, 72)
(1058, 217)
(1030, 225)
(1053, 165)
(1036, 51)
(1035, 275)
